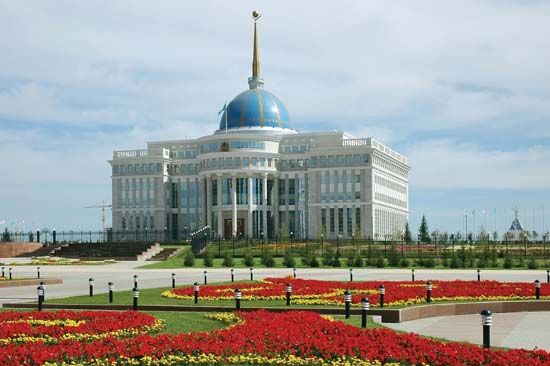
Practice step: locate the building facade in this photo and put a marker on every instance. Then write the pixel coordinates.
(256, 176)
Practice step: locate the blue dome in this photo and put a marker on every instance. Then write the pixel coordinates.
(255, 108)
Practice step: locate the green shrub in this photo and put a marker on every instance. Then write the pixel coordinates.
(380, 262)
(208, 258)
(350, 261)
(248, 259)
(189, 259)
(328, 256)
(336, 261)
(358, 262)
(393, 256)
(306, 259)
(429, 262)
(404, 263)
(532, 264)
(508, 263)
(267, 259)
(520, 262)
(228, 261)
(481, 263)
(288, 260)
(313, 262)
(456, 262)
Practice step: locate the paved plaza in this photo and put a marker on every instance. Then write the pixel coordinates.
(514, 330)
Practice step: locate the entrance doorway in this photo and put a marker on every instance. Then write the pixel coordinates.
(228, 228)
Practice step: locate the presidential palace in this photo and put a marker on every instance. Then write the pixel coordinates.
(257, 176)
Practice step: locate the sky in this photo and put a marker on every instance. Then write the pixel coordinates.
(461, 88)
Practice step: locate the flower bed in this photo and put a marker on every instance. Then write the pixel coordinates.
(263, 338)
(55, 327)
(398, 293)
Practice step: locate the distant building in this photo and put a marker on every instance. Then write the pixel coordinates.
(516, 232)
(258, 176)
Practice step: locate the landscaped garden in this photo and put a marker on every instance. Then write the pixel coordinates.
(249, 338)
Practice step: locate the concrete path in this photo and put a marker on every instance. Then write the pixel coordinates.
(510, 330)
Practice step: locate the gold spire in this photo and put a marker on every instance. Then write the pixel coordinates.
(256, 53)
(255, 81)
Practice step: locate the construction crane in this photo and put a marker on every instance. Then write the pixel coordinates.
(103, 206)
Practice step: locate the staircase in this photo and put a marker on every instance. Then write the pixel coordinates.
(102, 251)
(164, 254)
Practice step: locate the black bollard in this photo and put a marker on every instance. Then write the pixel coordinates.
(251, 274)
(382, 292)
(288, 293)
(10, 272)
(364, 309)
(351, 275)
(196, 292)
(173, 280)
(486, 321)
(238, 296)
(91, 286)
(294, 272)
(205, 277)
(412, 274)
(347, 303)
(40, 292)
(537, 289)
(43, 288)
(429, 291)
(135, 293)
(478, 275)
(111, 287)
(38, 272)
(232, 275)
(548, 276)
(3, 272)
(135, 281)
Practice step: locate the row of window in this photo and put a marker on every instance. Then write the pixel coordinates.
(340, 196)
(136, 193)
(340, 178)
(232, 145)
(186, 154)
(185, 194)
(390, 200)
(138, 221)
(331, 220)
(237, 163)
(388, 224)
(389, 166)
(150, 168)
(389, 184)
(294, 148)
(324, 161)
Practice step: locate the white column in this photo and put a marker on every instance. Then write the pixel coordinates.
(275, 205)
(208, 202)
(220, 207)
(264, 211)
(249, 213)
(234, 203)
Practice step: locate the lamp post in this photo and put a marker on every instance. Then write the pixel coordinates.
(322, 244)
(111, 287)
(238, 296)
(353, 242)
(40, 293)
(364, 309)
(185, 234)
(537, 289)
(196, 292)
(337, 244)
(135, 293)
(288, 293)
(291, 234)
(381, 292)
(486, 322)
(347, 303)
(429, 287)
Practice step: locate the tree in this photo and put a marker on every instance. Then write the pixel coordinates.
(407, 235)
(495, 236)
(6, 235)
(423, 231)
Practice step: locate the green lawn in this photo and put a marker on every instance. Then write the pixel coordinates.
(183, 322)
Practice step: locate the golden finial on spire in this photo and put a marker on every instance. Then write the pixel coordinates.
(256, 53)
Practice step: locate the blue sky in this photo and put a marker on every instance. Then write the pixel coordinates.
(461, 88)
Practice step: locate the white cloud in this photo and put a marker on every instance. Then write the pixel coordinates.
(445, 164)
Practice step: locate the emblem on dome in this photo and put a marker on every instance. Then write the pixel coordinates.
(224, 147)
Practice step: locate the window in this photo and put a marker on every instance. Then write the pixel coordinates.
(331, 212)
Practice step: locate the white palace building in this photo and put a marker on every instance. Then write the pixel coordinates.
(257, 176)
